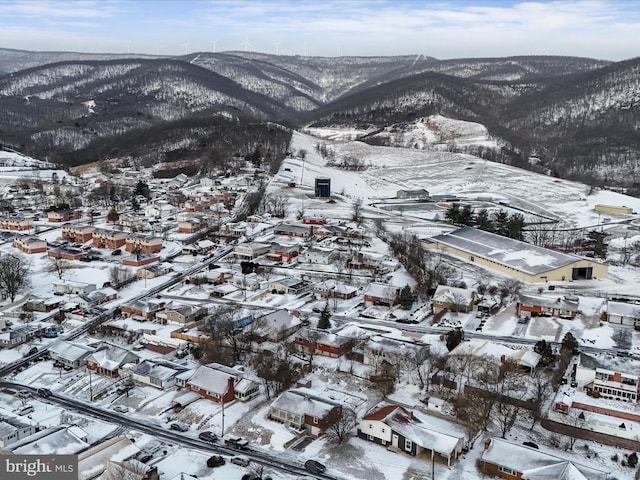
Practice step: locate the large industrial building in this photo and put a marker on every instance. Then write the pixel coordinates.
(517, 259)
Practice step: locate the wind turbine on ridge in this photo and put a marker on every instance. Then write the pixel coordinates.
(186, 47)
(213, 46)
(277, 44)
(245, 44)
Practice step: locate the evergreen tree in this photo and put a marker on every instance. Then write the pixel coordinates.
(596, 242)
(467, 215)
(453, 213)
(544, 349)
(569, 343)
(142, 189)
(514, 226)
(406, 297)
(500, 220)
(454, 338)
(483, 221)
(324, 322)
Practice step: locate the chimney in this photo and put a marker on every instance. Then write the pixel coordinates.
(487, 443)
(410, 415)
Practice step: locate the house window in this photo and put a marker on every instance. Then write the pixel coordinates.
(315, 420)
(507, 470)
(382, 430)
(370, 426)
(408, 445)
(370, 437)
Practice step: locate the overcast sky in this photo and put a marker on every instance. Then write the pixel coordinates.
(442, 29)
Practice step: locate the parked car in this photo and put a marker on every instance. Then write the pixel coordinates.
(236, 442)
(315, 467)
(32, 351)
(207, 436)
(179, 427)
(241, 460)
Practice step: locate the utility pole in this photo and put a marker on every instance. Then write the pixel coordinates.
(222, 432)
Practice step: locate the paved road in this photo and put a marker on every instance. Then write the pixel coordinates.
(161, 431)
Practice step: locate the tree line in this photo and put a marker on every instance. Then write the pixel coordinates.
(499, 222)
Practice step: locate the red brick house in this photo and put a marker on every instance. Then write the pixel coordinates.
(77, 233)
(190, 225)
(139, 260)
(381, 294)
(105, 238)
(318, 342)
(63, 215)
(214, 383)
(142, 309)
(108, 359)
(66, 253)
(30, 244)
(512, 461)
(16, 222)
(303, 408)
(141, 243)
(283, 253)
(546, 306)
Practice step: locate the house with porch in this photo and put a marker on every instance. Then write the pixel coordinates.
(218, 383)
(412, 432)
(108, 359)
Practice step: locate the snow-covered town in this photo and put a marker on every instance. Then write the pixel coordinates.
(160, 327)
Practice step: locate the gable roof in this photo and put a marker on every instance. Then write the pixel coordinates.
(303, 401)
(536, 464)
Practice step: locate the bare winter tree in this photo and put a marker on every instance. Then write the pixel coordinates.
(127, 470)
(344, 426)
(505, 415)
(357, 211)
(58, 266)
(540, 386)
(14, 275)
(118, 274)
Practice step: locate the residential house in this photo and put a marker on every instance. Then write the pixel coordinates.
(514, 461)
(30, 244)
(623, 313)
(12, 430)
(407, 431)
(546, 306)
(131, 221)
(70, 354)
(77, 233)
(493, 354)
(314, 220)
(381, 294)
(184, 313)
(157, 373)
(139, 259)
(318, 342)
(114, 458)
(278, 325)
(35, 304)
(16, 222)
(142, 243)
(108, 359)
(218, 383)
(333, 289)
(613, 384)
(303, 408)
(94, 298)
(63, 215)
(191, 225)
(289, 285)
(142, 309)
(392, 350)
(153, 271)
(106, 238)
(11, 337)
(452, 299)
(67, 440)
(74, 288)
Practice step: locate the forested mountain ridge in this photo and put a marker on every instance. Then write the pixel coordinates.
(576, 117)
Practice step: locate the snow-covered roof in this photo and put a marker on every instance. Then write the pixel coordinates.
(623, 309)
(536, 464)
(93, 462)
(304, 401)
(522, 256)
(68, 350)
(57, 440)
(211, 379)
(452, 295)
(495, 351)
